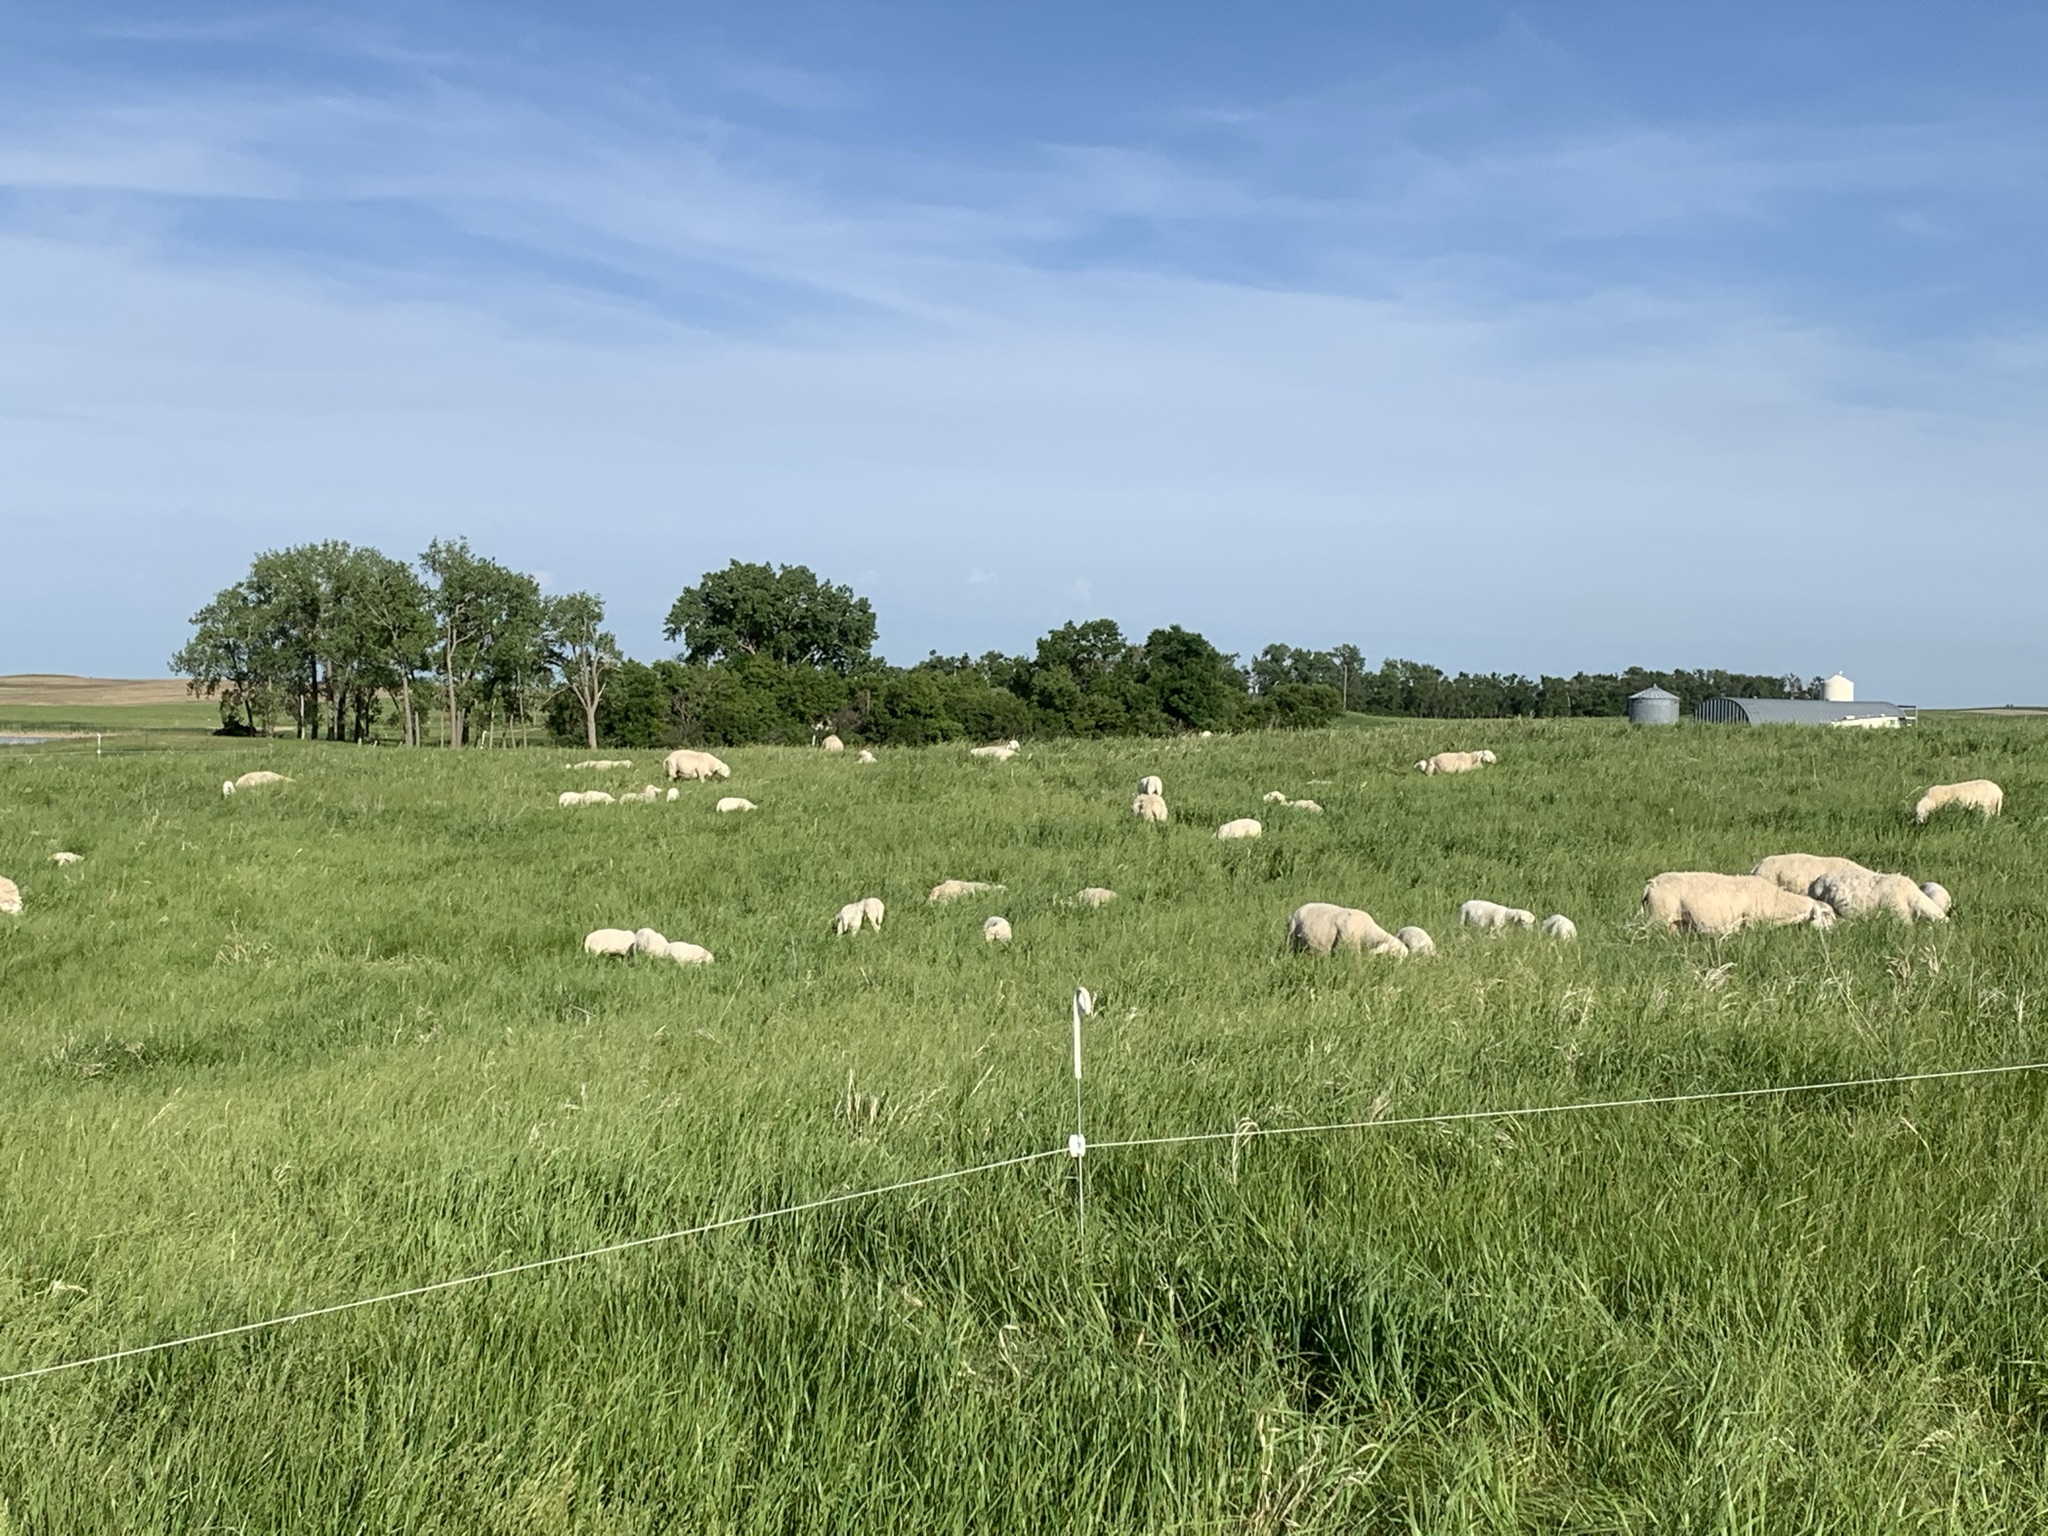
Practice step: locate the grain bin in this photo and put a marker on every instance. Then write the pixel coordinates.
(1838, 690)
(1653, 706)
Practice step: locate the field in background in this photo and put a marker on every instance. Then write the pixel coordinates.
(339, 1037)
(35, 702)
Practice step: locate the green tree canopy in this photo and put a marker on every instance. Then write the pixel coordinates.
(786, 613)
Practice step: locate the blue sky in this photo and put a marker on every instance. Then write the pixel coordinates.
(1534, 338)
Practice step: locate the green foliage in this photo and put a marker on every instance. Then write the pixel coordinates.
(784, 614)
(339, 1038)
(1292, 706)
(1195, 684)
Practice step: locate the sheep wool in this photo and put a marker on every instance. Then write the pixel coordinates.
(1455, 762)
(1693, 901)
(1560, 927)
(603, 762)
(258, 777)
(1150, 807)
(996, 930)
(1244, 826)
(1796, 872)
(1418, 944)
(686, 764)
(953, 890)
(832, 744)
(1979, 795)
(1096, 896)
(1866, 893)
(865, 756)
(609, 941)
(10, 897)
(1492, 915)
(688, 954)
(67, 858)
(849, 919)
(1323, 928)
(1151, 785)
(646, 941)
(1001, 753)
(734, 803)
(1275, 797)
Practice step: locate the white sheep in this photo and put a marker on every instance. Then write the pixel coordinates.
(1305, 805)
(996, 930)
(1096, 896)
(1979, 795)
(734, 803)
(1796, 872)
(646, 795)
(1418, 944)
(569, 797)
(953, 890)
(597, 797)
(833, 744)
(1322, 928)
(1560, 927)
(865, 756)
(67, 858)
(1716, 905)
(1865, 893)
(260, 776)
(227, 787)
(1455, 762)
(603, 762)
(10, 897)
(1150, 807)
(850, 918)
(609, 941)
(1001, 754)
(648, 941)
(1938, 894)
(1274, 797)
(688, 954)
(674, 795)
(686, 764)
(1244, 826)
(1492, 915)
(1151, 785)
(872, 906)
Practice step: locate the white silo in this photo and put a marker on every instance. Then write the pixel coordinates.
(1838, 690)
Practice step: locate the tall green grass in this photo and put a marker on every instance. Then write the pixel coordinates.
(339, 1037)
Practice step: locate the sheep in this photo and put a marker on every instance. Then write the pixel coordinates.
(1717, 905)
(1150, 807)
(227, 787)
(833, 744)
(850, 917)
(10, 897)
(1455, 762)
(687, 954)
(1938, 894)
(1418, 944)
(674, 795)
(260, 776)
(609, 941)
(1305, 805)
(734, 803)
(597, 797)
(872, 906)
(586, 797)
(1151, 785)
(1865, 893)
(953, 890)
(686, 764)
(996, 930)
(569, 797)
(1244, 826)
(1560, 928)
(602, 762)
(1796, 872)
(1274, 797)
(1322, 928)
(1096, 896)
(865, 756)
(647, 941)
(67, 858)
(644, 796)
(1979, 795)
(1492, 915)
(1001, 754)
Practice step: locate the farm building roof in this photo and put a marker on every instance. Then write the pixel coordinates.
(1802, 711)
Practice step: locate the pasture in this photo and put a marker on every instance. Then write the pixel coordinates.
(338, 1037)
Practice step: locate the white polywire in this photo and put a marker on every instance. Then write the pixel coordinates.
(1563, 1109)
(518, 1269)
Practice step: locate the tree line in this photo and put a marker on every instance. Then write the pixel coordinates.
(343, 641)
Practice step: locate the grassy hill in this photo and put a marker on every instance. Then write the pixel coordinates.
(338, 1037)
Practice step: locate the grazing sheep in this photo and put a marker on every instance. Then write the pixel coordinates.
(1717, 905)
(1560, 927)
(227, 787)
(833, 744)
(1305, 805)
(953, 890)
(1455, 762)
(1149, 807)
(1418, 944)
(569, 797)
(1322, 928)
(850, 917)
(686, 764)
(996, 930)
(647, 941)
(585, 797)
(1150, 785)
(10, 897)
(603, 762)
(597, 797)
(734, 803)
(67, 858)
(1865, 893)
(260, 776)
(1001, 754)
(674, 795)
(609, 941)
(872, 905)
(1979, 795)
(1274, 797)
(865, 756)
(1491, 914)
(644, 796)
(1096, 896)
(1938, 894)
(1244, 826)
(1796, 872)
(687, 954)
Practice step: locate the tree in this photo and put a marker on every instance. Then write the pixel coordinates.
(786, 613)
(580, 649)
(1194, 682)
(486, 628)
(231, 655)
(392, 619)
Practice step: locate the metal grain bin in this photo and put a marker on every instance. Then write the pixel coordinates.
(1653, 706)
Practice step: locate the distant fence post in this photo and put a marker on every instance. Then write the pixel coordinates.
(1077, 1144)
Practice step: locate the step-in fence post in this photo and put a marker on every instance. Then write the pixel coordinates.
(1077, 1144)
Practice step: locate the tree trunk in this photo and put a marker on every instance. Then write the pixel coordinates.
(590, 723)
